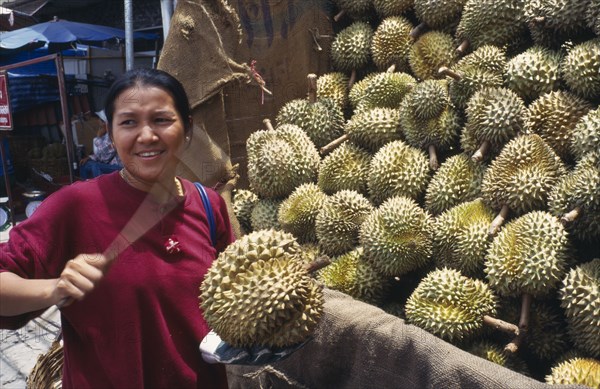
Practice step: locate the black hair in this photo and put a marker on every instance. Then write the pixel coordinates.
(149, 77)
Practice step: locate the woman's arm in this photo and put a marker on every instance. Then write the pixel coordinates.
(19, 295)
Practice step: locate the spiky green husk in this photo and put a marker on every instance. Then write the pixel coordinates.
(346, 168)
(580, 297)
(562, 19)
(398, 170)
(374, 128)
(472, 80)
(386, 90)
(522, 175)
(586, 135)
(529, 255)
(323, 120)
(534, 72)
(397, 237)
(356, 9)
(333, 85)
(297, 213)
(460, 237)
(339, 220)
(243, 203)
(258, 292)
(431, 51)
(279, 160)
(592, 17)
(576, 371)
(357, 91)
(580, 189)
(351, 274)
(387, 8)
(427, 99)
(457, 180)
(351, 47)
(494, 115)
(495, 353)
(450, 305)
(487, 57)
(438, 14)
(553, 116)
(581, 69)
(391, 43)
(264, 214)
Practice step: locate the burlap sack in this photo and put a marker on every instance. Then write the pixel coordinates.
(357, 345)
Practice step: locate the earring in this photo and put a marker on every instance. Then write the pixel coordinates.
(187, 138)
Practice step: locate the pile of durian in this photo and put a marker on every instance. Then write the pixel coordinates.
(449, 165)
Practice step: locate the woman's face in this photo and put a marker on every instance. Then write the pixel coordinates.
(148, 134)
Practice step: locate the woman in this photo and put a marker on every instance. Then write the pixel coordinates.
(104, 158)
(125, 253)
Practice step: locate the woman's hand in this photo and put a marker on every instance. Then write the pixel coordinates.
(79, 278)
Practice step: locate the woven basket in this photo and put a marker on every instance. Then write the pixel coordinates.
(47, 372)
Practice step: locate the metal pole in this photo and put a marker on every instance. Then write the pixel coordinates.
(166, 10)
(60, 73)
(7, 180)
(128, 34)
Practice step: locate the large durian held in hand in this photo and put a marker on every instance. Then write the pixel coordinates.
(259, 292)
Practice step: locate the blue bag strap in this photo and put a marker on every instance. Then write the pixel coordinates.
(209, 213)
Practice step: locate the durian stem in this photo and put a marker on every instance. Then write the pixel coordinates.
(570, 216)
(500, 325)
(317, 264)
(446, 71)
(268, 125)
(316, 36)
(499, 220)
(416, 32)
(312, 87)
(352, 79)
(333, 144)
(339, 15)
(433, 160)
(464, 46)
(483, 149)
(514, 345)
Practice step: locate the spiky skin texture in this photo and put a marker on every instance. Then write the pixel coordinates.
(487, 57)
(297, 213)
(495, 353)
(351, 47)
(431, 51)
(339, 220)
(441, 131)
(457, 180)
(356, 9)
(264, 215)
(386, 90)
(580, 297)
(357, 91)
(586, 135)
(333, 85)
(387, 8)
(592, 17)
(281, 159)
(374, 128)
(534, 72)
(576, 371)
(437, 14)
(522, 175)
(581, 69)
(494, 115)
(257, 292)
(579, 189)
(391, 43)
(428, 99)
(562, 19)
(460, 237)
(529, 255)
(553, 116)
(397, 237)
(323, 120)
(346, 168)
(472, 80)
(351, 274)
(450, 305)
(398, 169)
(243, 203)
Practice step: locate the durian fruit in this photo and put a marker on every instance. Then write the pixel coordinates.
(351, 47)
(397, 237)
(576, 371)
(580, 297)
(386, 90)
(355, 9)
(487, 57)
(357, 91)
(457, 180)
(264, 215)
(529, 255)
(431, 51)
(460, 237)
(521, 177)
(373, 128)
(551, 22)
(586, 135)
(243, 203)
(258, 292)
(495, 353)
(280, 159)
(592, 16)
(322, 120)
(534, 72)
(437, 14)
(391, 43)
(339, 220)
(553, 116)
(297, 213)
(350, 273)
(346, 168)
(576, 199)
(398, 169)
(494, 117)
(387, 8)
(334, 85)
(450, 305)
(428, 120)
(581, 69)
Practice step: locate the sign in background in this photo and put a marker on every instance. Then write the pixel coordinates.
(5, 115)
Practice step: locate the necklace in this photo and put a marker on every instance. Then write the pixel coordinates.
(178, 185)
